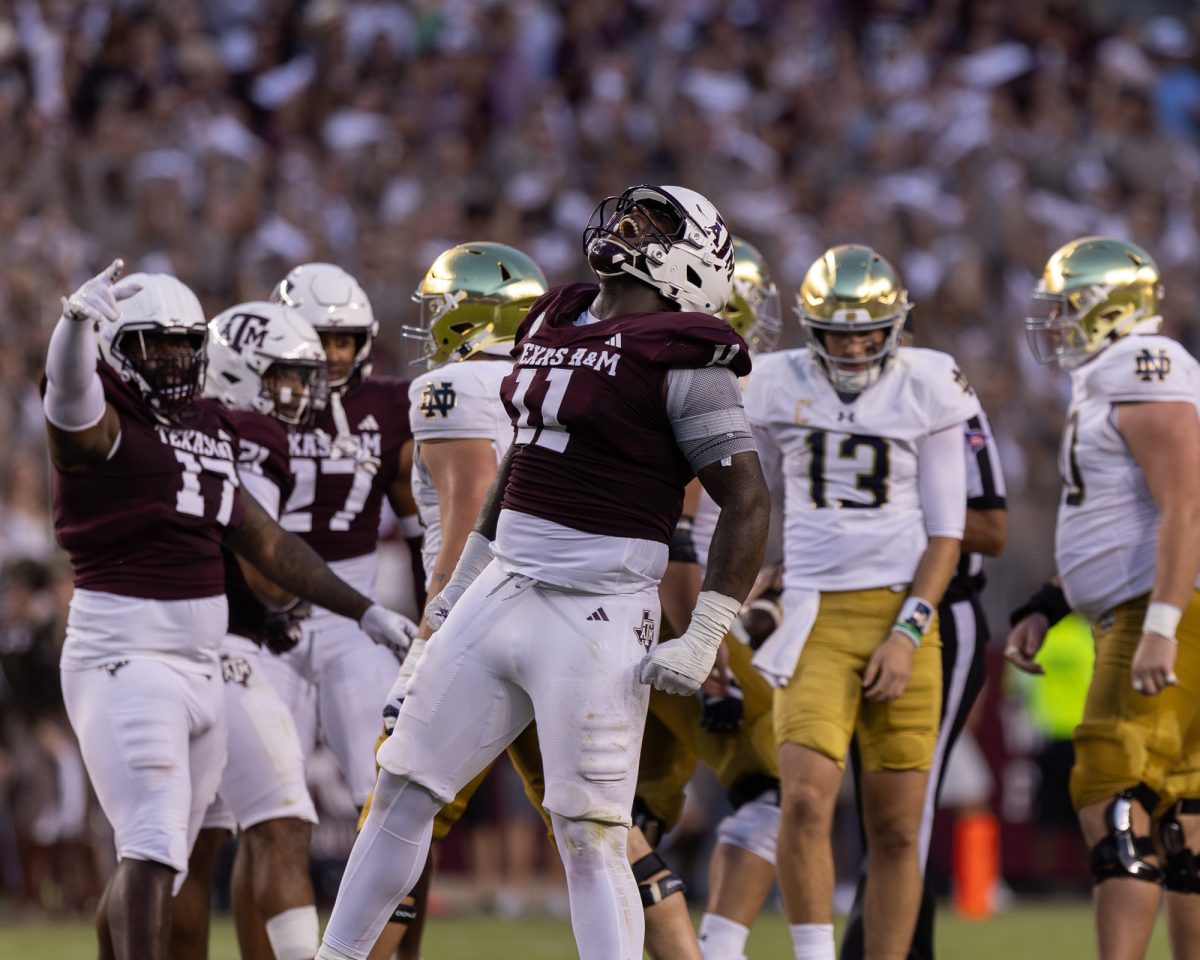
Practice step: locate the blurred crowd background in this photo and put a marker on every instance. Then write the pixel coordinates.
(228, 140)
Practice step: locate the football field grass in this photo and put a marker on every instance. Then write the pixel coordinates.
(1059, 931)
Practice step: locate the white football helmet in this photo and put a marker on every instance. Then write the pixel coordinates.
(669, 237)
(332, 301)
(266, 357)
(158, 343)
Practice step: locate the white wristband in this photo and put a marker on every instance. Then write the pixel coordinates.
(916, 616)
(1162, 618)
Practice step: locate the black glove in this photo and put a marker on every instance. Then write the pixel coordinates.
(722, 714)
(282, 629)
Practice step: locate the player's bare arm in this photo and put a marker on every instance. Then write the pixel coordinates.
(739, 540)
(462, 472)
(986, 532)
(1165, 440)
(293, 564)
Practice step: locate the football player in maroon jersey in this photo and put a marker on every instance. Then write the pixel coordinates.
(619, 395)
(146, 492)
(267, 367)
(354, 453)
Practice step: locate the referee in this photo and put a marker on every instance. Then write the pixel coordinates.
(964, 632)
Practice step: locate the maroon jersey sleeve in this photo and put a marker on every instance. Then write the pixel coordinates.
(149, 521)
(595, 450)
(336, 501)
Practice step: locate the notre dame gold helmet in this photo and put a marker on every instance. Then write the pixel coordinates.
(753, 309)
(851, 289)
(474, 296)
(1093, 291)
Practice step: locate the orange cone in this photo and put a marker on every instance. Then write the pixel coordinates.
(976, 864)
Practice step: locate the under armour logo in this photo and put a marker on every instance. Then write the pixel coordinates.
(438, 399)
(645, 630)
(1151, 365)
(599, 614)
(113, 667)
(368, 423)
(845, 416)
(235, 670)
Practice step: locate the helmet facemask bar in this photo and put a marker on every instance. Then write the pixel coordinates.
(854, 374)
(661, 224)
(762, 323)
(295, 403)
(1058, 331)
(169, 381)
(418, 341)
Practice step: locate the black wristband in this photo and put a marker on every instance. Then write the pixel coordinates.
(1050, 601)
(682, 548)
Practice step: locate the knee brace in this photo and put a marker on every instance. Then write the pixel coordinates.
(1181, 872)
(754, 824)
(405, 912)
(655, 891)
(1120, 853)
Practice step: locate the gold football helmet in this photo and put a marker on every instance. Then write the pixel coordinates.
(1093, 291)
(473, 297)
(753, 309)
(851, 289)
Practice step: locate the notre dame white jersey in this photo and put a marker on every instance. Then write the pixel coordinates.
(459, 401)
(853, 516)
(1108, 522)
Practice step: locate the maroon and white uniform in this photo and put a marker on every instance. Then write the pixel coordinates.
(140, 671)
(336, 680)
(264, 773)
(555, 627)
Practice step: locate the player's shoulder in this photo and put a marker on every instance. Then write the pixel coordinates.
(557, 306)
(455, 393)
(1144, 368)
(255, 427)
(687, 339)
(938, 383)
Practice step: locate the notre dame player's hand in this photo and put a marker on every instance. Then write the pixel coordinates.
(1025, 640)
(1153, 667)
(889, 668)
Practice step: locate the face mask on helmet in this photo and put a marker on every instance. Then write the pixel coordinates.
(471, 300)
(267, 358)
(754, 310)
(169, 364)
(1093, 291)
(157, 344)
(671, 238)
(853, 309)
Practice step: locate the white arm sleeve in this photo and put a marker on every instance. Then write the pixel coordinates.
(74, 398)
(942, 476)
(262, 489)
(706, 414)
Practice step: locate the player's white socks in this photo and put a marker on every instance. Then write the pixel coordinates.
(384, 866)
(606, 908)
(722, 938)
(813, 941)
(294, 933)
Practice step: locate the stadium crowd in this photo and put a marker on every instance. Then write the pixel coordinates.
(223, 142)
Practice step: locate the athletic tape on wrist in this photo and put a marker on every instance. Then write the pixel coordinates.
(916, 617)
(1163, 619)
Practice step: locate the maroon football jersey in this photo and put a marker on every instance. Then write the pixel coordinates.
(149, 521)
(262, 449)
(594, 447)
(334, 506)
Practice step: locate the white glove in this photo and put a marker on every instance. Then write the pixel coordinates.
(395, 697)
(681, 665)
(476, 555)
(388, 628)
(96, 300)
